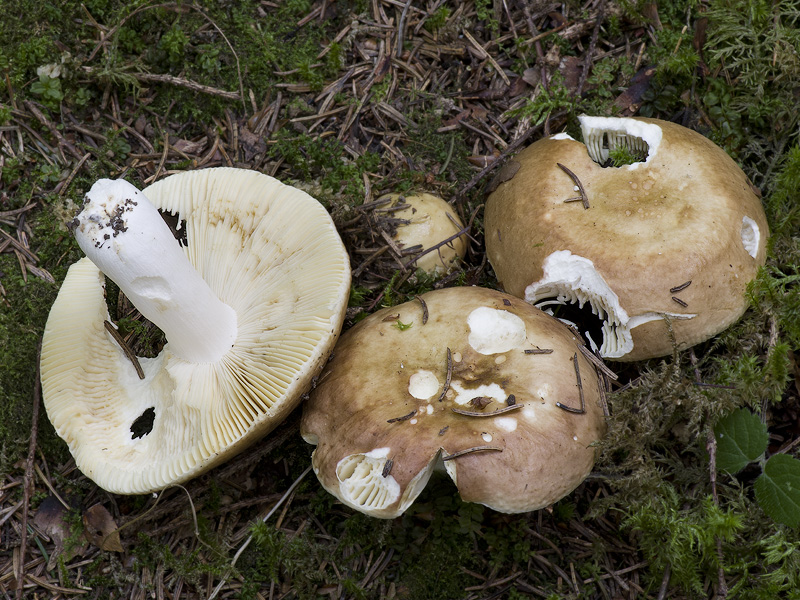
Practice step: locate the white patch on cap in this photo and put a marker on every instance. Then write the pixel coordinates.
(562, 136)
(464, 395)
(751, 236)
(423, 384)
(486, 437)
(508, 424)
(493, 331)
(378, 453)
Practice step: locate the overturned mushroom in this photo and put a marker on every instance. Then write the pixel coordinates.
(660, 250)
(427, 222)
(250, 307)
(492, 387)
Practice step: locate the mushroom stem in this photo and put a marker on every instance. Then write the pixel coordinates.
(124, 235)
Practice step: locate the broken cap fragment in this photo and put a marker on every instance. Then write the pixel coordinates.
(251, 307)
(485, 386)
(663, 249)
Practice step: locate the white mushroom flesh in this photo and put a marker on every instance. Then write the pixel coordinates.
(602, 134)
(573, 279)
(751, 236)
(423, 384)
(362, 483)
(493, 331)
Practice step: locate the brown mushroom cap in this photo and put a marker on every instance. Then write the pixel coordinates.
(429, 220)
(379, 425)
(686, 214)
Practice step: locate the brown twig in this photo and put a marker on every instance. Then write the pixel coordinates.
(583, 197)
(124, 347)
(499, 411)
(471, 450)
(29, 470)
(448, 377)
(582, 409)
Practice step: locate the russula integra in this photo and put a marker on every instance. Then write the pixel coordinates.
(660, 250)
(427, 222)
(494, 388)
(251, 307)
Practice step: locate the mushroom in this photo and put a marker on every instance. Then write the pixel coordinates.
(251, 307)
(495, 389)
(661, 250)
(427, 222)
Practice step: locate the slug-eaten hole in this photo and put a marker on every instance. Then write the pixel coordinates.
(176, 226)
(589, 318)
(143, 424)
(615, 148)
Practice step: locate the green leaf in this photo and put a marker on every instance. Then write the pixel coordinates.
(741, 439)
(778, 489)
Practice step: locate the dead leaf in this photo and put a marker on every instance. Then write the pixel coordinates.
(506, 172)
(630, 100)
(189, 147)
(101, 530)
(50, 520)
(532, 76)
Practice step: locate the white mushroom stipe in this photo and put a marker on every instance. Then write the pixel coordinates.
(494, 331)
(125, 236)
(423, 384)
(751, 236)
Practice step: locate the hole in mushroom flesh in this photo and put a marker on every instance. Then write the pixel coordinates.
(603, 135)
(751, 236)
(572, 279)
(143, 424)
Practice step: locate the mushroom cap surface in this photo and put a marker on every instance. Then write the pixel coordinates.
(269, 251)
(431, 220)
(380, 428)
(685, 214)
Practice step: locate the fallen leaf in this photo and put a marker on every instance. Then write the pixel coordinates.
(50, 520)
(101, 530)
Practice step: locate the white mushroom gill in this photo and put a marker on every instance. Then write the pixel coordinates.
(751, 236)
(602, 134)
(361, 481)
(572, 279)
(124, 235)
(493, 331)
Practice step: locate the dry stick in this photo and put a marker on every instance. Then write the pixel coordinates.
(582, 409)
(587, 61)
(424, 309)
(125, 349)
(449, 375)
(679, 288)
(711, 447)
(26, 488)
(583, 198)
(264, 520)
(179, 8)
(512, 147)
(471, 450)
(499, 411)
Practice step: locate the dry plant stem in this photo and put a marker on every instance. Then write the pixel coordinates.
(583, 198)
(587, 62)
(249, 539)
(448, 377)
(424, 309)
(125, 349)
(711, 447)
(28, 484)
(499, 411)
(582, 409)
(471, 450)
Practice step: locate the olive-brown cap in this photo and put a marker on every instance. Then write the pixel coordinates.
(427, 221)
(479, 379)
(662, 247)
